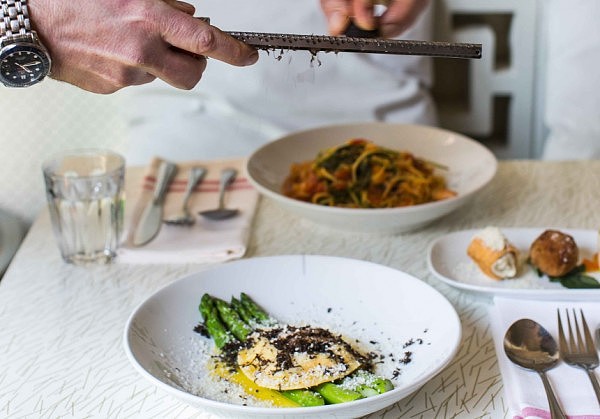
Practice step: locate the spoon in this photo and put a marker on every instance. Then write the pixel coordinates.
(222, 213)
(183, 217)
(530, 346)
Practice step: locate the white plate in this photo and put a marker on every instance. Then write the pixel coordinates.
(471, 166)
(359, 299)
(448, 261)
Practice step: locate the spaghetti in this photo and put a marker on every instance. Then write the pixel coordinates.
(360, 174)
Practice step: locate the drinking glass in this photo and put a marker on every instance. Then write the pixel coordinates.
(85, 191)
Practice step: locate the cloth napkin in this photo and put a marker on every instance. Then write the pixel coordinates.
(523, 389)
(206, 241)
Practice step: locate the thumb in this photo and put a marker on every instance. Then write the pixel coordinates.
(182, 6)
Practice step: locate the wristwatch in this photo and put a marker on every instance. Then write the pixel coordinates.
(24, 61)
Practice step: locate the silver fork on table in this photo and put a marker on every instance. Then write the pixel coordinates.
(184, 217)
(579, 350)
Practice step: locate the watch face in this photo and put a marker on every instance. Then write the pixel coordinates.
(23, 65)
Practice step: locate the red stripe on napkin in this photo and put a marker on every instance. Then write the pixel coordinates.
(209, 185)
(543, 414)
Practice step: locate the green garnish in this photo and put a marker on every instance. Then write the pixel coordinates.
(579, 281)
(575, 279)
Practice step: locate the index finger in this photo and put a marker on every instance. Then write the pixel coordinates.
(400, 15)
(193, 35)
(364, 16)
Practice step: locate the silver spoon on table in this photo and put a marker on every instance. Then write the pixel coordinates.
(184, 217)
(222, 213)
(530, 346)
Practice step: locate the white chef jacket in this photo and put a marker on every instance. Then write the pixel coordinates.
(572, 111)
(234, 110)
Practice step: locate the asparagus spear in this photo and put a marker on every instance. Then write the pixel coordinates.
(232, 320)
(304, 397)
(258, 314)
(334, 393)
(241, 310)
(382, 385)
(367, 383)
(216, 329)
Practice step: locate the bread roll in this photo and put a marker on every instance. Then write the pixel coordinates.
(554, 253)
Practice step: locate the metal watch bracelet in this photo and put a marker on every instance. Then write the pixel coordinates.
(15, 18)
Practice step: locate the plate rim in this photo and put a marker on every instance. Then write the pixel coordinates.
(291, 411)
(523, 293)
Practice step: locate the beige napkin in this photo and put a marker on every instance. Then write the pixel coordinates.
(523, 389)
(206, 241)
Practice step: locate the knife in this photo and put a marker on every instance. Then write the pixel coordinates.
(151, 218)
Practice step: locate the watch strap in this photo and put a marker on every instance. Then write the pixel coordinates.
(15, 18)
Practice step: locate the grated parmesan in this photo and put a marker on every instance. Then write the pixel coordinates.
(492, 237)
(192, 371)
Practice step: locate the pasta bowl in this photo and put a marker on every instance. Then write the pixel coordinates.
(161, 343)
(468, 167)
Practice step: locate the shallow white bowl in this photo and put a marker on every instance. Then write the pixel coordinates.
(356, 298)
(470, 167)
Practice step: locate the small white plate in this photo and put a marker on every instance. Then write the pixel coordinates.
(379, 305)
(448, 261)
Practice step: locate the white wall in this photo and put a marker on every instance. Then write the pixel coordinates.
(39, 121)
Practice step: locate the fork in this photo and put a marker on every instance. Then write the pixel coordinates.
(184, 217)
(579, 351)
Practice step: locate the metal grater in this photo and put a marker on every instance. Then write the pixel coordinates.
(317, 43)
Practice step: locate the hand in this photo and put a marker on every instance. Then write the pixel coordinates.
(398, 17)
(105, 45)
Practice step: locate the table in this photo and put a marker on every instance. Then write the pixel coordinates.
(61, 353)
(12, 231)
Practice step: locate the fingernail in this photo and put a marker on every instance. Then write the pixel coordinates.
(337, 22)
(252, 58)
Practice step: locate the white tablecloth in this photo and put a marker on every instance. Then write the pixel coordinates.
(62, 325)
